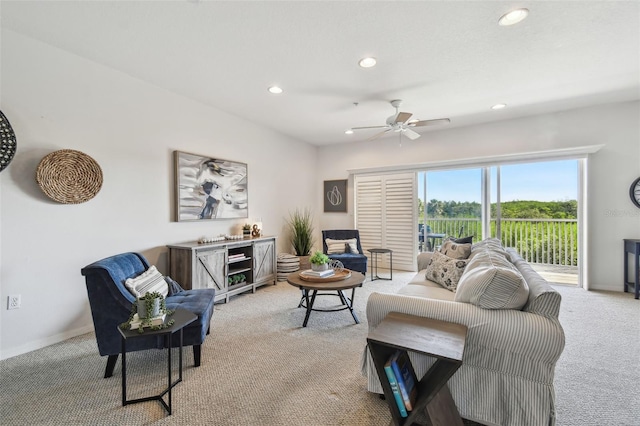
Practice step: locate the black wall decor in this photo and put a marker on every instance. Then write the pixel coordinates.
(8, 143)
(335, 196)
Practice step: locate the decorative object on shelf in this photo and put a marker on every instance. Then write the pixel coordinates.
(69, 177)
(256, 232)
(286, 264)
(237, 279)
(209, 188)
(150, 311)
(206, 240)
(634, 192)
(335, 196)
(246, 230)
(301, 235)
(319, 261)
(8, 142)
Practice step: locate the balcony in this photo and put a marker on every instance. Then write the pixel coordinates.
(549, 245)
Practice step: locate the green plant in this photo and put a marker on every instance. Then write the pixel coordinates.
(148, 299)
(319, 258)
(301, 229)
(246, 227)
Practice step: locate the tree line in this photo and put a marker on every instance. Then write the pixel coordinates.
(508, 209)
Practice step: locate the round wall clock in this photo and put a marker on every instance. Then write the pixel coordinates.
(634, 192)
(8, 143)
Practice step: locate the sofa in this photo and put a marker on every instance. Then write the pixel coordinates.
(514, 337)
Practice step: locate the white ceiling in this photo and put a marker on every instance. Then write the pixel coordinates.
(443, 58)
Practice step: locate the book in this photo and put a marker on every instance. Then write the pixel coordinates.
(136, 321)
(318, 274)
(394, 388)
(406, 377)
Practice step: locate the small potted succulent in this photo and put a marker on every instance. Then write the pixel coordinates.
(319, 261)
(150, 309)
(246, 230)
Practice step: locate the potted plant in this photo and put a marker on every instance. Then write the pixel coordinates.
(246, 230)
(301, 235)
(319, 261)
(151, 310)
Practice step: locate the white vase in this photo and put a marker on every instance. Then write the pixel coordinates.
(319, 268)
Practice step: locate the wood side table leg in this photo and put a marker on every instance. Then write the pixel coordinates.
(442, 410)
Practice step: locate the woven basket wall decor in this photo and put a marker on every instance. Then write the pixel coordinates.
(69, 177)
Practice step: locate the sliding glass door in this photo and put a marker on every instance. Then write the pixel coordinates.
(449, 205)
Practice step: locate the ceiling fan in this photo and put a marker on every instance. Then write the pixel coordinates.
(399, 122)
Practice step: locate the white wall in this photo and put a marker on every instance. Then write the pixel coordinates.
(612, 216)
(55, 100)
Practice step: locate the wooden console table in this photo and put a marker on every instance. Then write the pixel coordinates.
(440, 339)
(632, 247)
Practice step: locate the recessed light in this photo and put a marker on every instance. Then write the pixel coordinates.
(513, 17)
(348, 132)
(499, 106)
(367, 62)
(275, 90)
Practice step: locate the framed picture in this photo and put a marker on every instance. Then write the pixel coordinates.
(210, 188)
(335, 196)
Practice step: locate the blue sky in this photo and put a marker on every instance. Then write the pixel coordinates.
(546, 181)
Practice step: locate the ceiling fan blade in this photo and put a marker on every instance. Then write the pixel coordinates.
(369, 127)
(402, 117)
(410, 134)
(435, 122)
(377, 135)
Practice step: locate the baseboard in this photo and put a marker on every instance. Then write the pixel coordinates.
(39, 344)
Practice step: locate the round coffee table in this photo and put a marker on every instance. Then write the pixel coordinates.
(355, 280)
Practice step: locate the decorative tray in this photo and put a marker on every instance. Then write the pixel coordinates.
(338, 276)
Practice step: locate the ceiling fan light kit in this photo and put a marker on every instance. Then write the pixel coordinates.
(399, 122)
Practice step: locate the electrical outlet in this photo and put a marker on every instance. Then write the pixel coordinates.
(14, 301)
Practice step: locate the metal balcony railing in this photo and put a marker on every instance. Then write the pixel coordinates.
(542, 241)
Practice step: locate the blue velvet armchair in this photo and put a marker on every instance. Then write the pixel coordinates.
(111, 304)
(353, 261)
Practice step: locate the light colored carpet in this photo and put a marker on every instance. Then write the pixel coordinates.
(260, 367)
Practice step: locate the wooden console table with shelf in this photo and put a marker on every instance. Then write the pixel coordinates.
(442, 340)
(210, 265)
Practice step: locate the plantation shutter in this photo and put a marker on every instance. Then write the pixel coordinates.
(385, 215)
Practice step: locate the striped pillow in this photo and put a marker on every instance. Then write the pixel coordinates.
(492, 282)
(338, 246)
(149, 281)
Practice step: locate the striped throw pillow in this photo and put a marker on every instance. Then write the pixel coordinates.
(149, 281)
(338, 246)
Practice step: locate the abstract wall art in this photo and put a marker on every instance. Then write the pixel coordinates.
(210, 188)
(335, 196)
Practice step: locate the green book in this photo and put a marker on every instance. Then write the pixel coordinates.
(394, 388)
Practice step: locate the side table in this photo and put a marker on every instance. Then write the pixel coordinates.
(632, 247)
(374, 263)
(440, 339)
(181, 319)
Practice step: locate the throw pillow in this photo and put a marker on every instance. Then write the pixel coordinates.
(492, 282)
(445, 270)
(149, 281)
(455, 250)
(465, 240)
(338, 246)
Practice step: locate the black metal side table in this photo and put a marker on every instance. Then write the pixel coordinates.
(181, 319)
(374, 263)
(632, 247)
